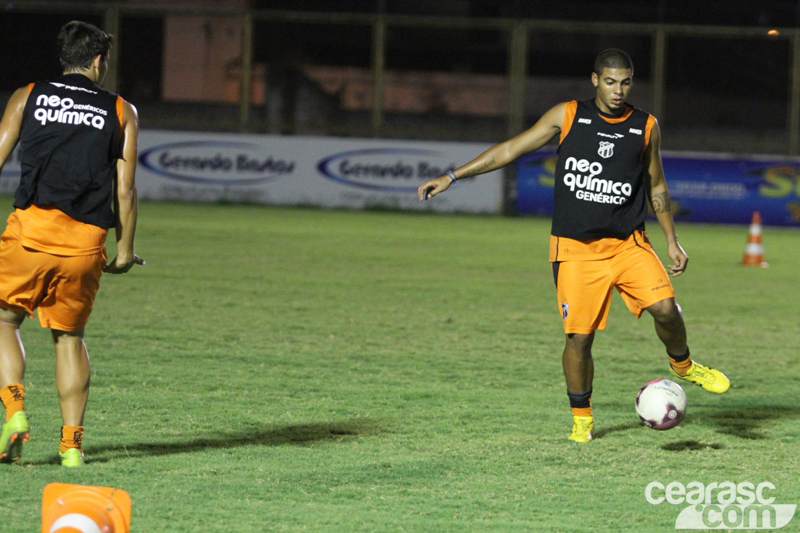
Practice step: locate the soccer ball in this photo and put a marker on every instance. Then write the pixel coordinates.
(661, 404)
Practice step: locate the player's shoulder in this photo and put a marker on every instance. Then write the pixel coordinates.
(128, 108)
(650, 119)
(565, 112)
(20, 96)
(23, 91)
(561, 109)
(642, 112)
(129, 105)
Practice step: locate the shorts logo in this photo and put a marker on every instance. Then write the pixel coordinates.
(565, 310)
(606, 149)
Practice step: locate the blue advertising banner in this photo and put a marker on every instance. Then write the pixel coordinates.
(704, 188)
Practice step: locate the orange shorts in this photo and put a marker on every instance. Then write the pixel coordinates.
(62, 288)
(584, 287)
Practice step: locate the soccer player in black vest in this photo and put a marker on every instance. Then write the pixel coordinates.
(79, 147)
(609, 165)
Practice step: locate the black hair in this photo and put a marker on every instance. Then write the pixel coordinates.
(612, 58)
(79, 43)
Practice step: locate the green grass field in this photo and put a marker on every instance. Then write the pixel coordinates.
(306, 370)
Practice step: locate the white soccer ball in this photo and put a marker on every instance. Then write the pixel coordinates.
(661, 404)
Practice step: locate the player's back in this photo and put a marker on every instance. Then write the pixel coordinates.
(70, 141)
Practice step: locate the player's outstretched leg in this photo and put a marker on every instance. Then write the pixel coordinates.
(671, 331)
(709, 378)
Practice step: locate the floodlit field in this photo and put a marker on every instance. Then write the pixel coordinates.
(306, 370)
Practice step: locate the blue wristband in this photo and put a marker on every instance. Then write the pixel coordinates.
(452, 176)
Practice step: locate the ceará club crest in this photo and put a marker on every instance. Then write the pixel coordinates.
(606, 149)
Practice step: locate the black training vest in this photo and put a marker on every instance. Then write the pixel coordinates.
(600, 190)
(70, 141)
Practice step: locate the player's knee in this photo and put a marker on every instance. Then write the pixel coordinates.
(665, 310)
(580, 344)
(67, 341)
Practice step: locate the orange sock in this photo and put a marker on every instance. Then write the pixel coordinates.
(581, 411)
(71, 437)
(681, 364)
(13, 398)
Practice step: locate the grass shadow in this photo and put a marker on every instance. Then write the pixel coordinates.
(744, 423)
(294, 435)
(600, 433)
(690, 445)
(748, 422)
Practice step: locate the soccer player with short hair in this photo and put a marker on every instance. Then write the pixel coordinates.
(609, 166)
(79, 147)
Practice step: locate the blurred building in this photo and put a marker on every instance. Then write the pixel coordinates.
(455, 69)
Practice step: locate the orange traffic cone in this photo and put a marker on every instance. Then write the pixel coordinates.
(80, 509)
(754, 251)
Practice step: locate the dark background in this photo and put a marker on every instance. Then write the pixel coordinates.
(714, 86)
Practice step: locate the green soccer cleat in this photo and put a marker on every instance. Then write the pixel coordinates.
(72, 457)
(705, 376)
(16, 432)
(582, 428)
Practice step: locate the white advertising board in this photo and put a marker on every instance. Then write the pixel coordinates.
(313, 171)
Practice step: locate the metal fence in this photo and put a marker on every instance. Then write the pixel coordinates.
(725, 89)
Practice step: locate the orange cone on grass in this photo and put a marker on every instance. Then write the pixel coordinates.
(82, 509)
(754, 250)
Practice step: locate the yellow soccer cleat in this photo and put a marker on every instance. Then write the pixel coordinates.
(582, 428)
(72, 457)
(15, 432)
(710, 379)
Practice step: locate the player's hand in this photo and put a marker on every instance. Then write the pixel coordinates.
(121, 266)
(431, 188)
(679, 260)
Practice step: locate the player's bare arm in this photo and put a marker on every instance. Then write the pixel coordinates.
(500, 155)
(125, 199)
(660, 201)
(11, 123)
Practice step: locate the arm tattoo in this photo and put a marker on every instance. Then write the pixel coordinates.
(481, 169)
(661, 203)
